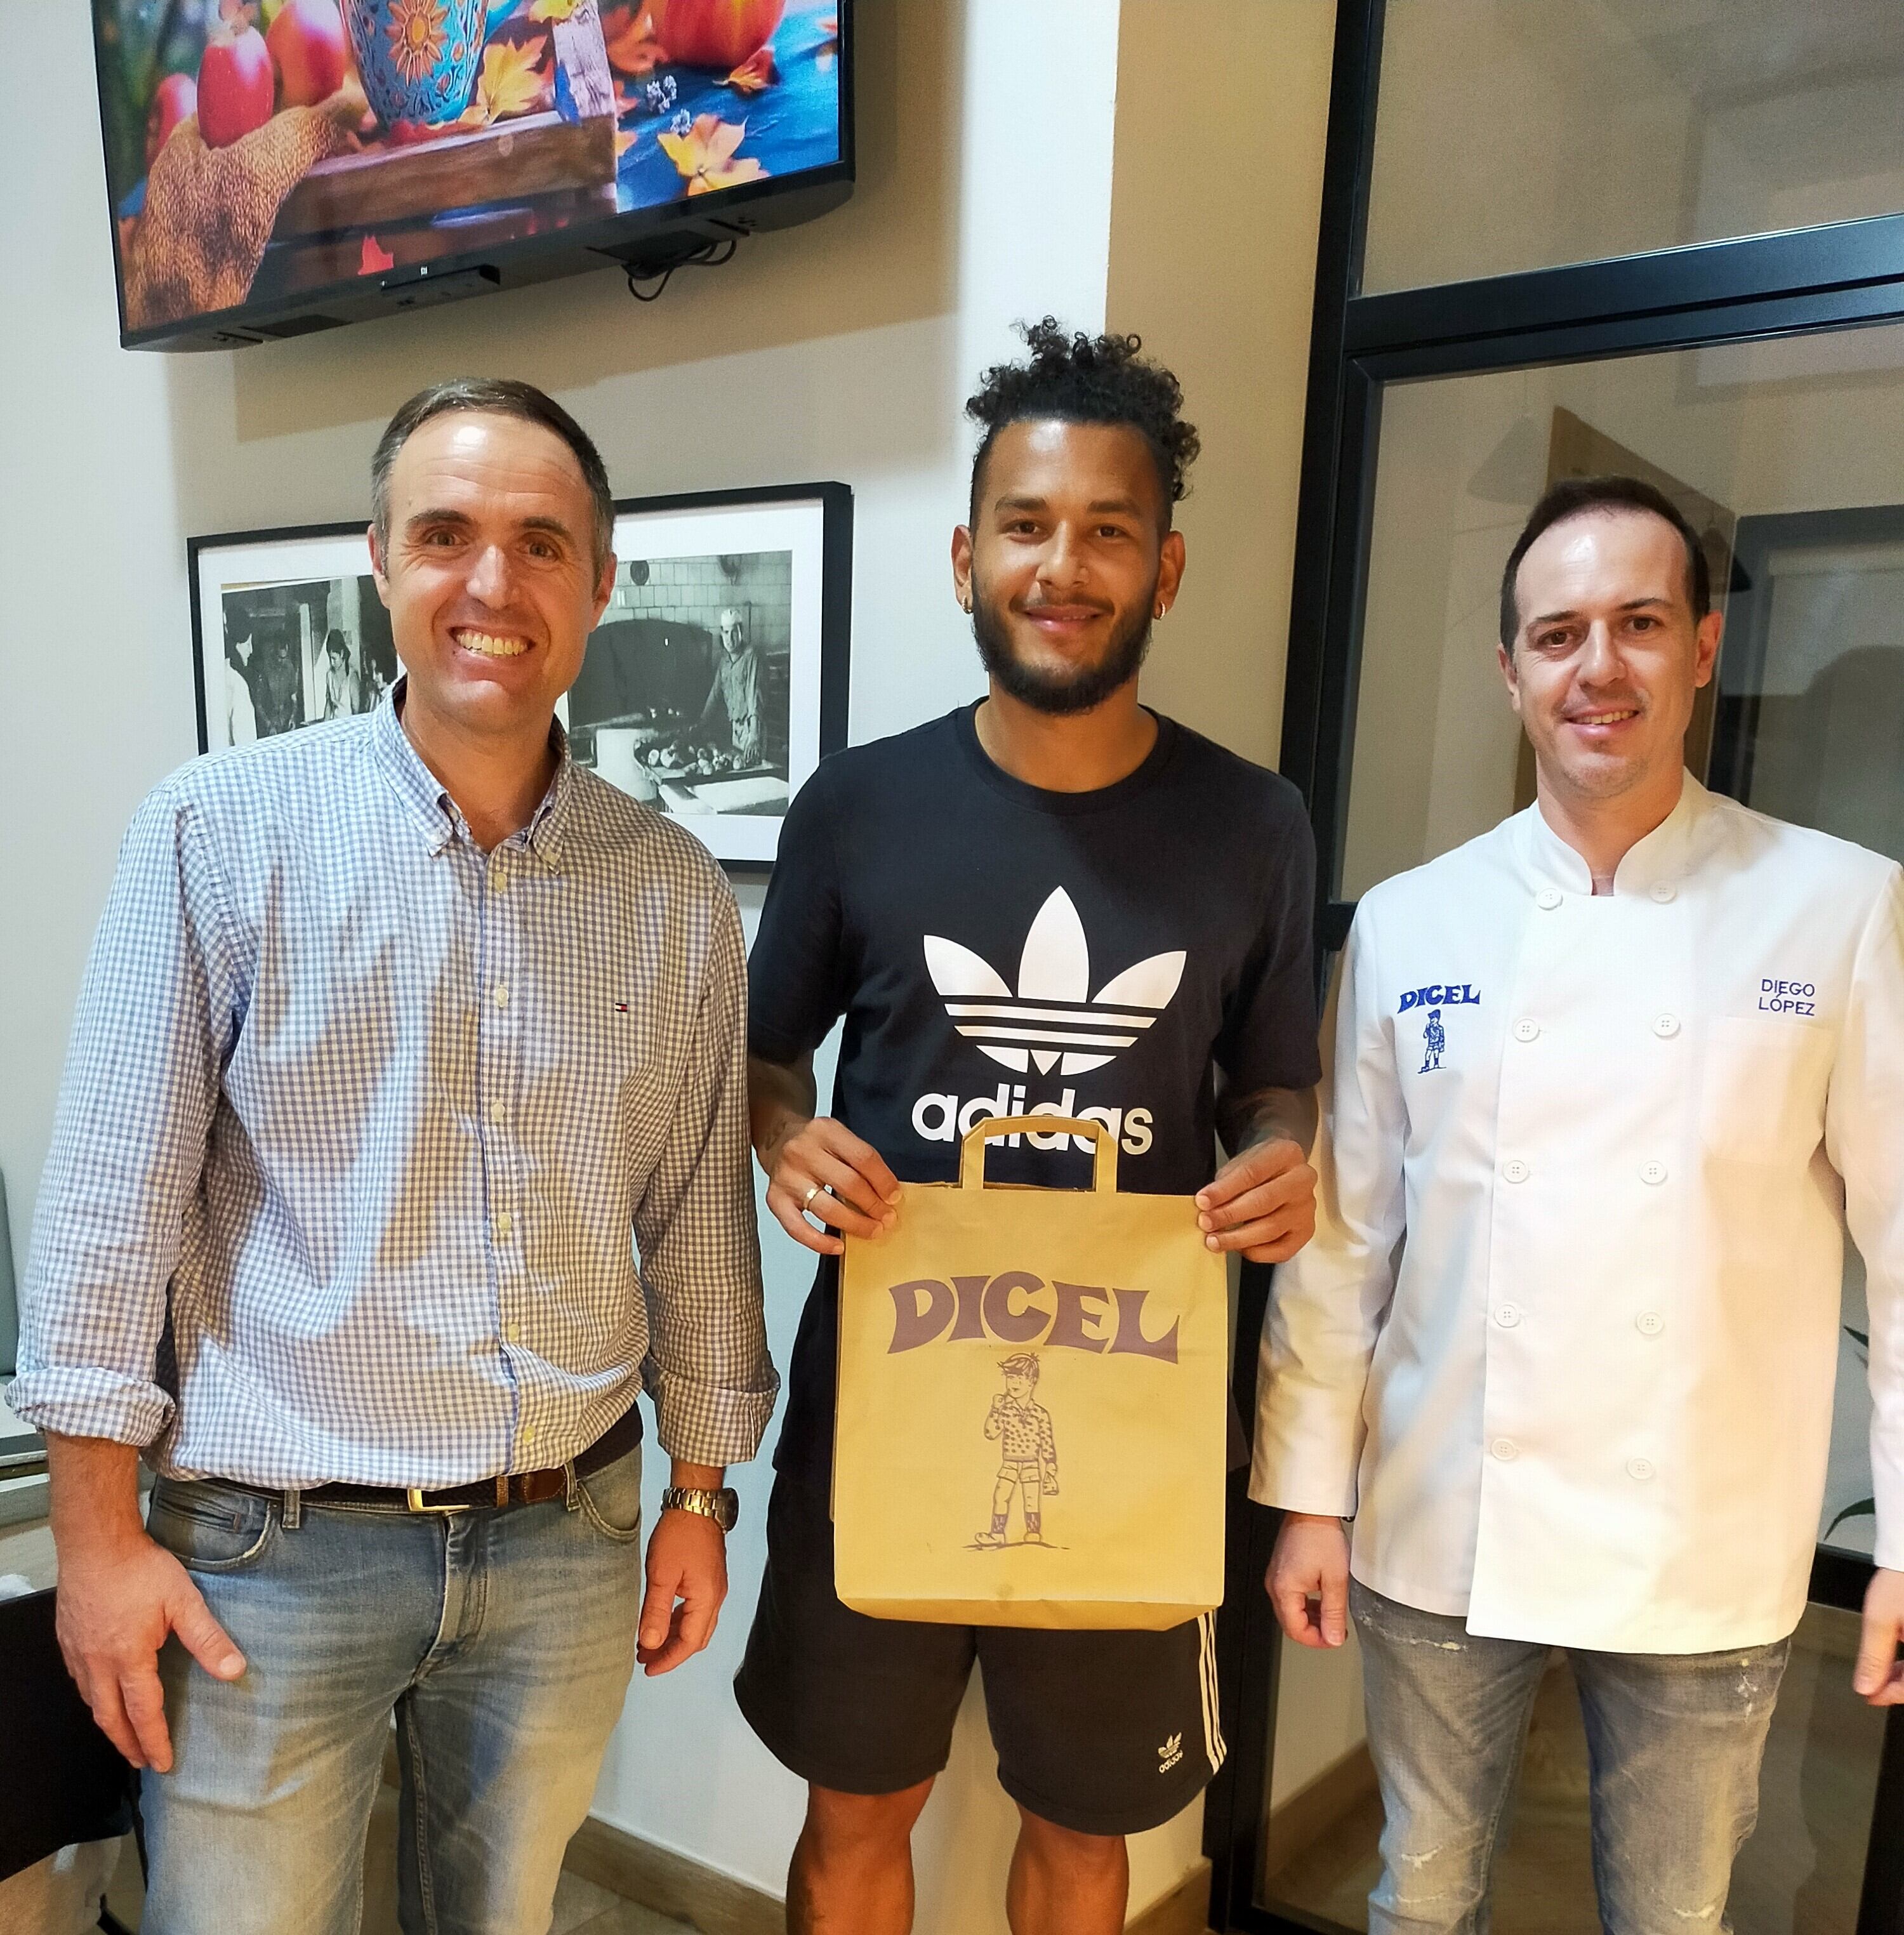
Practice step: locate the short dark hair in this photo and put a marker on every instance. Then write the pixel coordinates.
(1088, 379)
(501, 396)
(1577, 497)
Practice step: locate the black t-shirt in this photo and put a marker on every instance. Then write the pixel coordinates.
(998, 949)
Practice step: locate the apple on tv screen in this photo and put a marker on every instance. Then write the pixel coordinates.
(263, 155)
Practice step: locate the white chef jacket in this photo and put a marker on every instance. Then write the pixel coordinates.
(1565, 1342)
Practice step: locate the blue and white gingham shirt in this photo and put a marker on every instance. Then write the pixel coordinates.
(358, 1122)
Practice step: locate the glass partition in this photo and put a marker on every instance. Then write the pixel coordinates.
(1517, 134)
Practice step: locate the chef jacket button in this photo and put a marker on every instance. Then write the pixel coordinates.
(1666, 1027)
(1514, 1170)
(1548, 898)
(1505, 1449)
(1641, 1468)
(1649, 1323)
(1508, 1316)
(1655, 1173)
(1662, 890)
(1526, 1029)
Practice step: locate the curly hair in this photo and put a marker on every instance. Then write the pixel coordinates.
(1090, 379)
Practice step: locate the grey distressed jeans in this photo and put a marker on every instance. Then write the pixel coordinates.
(1674, 1742)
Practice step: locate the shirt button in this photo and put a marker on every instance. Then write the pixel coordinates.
(1526, 1029)
(1641, 1468)
(1662, 890)
(1514, 1170)
(505, 1223)
(528, 1434)
(1548, 899)
(499, 879)
(1666, 1027)
(514, 1333)
(1649, 1323)
(1508, 1316)
(1654, 1174)
(499, 1111)
(500, 994)
(1505, 1449)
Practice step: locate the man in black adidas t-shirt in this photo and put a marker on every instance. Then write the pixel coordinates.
(1053, 901)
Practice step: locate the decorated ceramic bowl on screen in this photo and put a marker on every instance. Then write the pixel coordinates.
(418, 59)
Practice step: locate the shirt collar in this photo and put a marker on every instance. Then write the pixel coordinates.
(435, 813)
(1653, 865)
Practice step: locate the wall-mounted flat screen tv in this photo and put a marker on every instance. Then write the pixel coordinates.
(277, 167)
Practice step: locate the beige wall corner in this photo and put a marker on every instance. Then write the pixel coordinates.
(1184, 1911)
(1222, 111)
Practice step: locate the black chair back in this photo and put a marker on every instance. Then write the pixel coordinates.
(61, 1779)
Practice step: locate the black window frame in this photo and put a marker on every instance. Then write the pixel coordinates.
(1796, 282)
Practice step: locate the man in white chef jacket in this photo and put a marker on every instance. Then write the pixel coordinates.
(1608, 1084)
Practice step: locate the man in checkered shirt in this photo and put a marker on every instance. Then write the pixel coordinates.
(401, 1035)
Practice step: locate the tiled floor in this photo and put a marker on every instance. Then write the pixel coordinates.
(580, 1907)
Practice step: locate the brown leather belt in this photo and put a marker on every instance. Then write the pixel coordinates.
(506, 1488)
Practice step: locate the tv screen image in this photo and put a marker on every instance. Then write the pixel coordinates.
(279, 166)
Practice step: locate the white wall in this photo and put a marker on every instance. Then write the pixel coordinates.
(1214, 268)
(844, 350)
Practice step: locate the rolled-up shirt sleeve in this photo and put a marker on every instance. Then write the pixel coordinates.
(1864, 1138)
(1326, 1305)
(707, 1368)
(158, 1006)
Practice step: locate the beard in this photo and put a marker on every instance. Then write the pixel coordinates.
(1061, 692)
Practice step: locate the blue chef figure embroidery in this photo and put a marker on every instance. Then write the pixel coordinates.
(1436, 996)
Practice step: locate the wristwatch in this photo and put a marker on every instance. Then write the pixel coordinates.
(723, 1507)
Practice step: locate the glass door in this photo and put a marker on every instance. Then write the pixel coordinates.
(1809, 559)
(1754, 369)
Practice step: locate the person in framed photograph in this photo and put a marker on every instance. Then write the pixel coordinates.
(240, 713)
(396, 1041)
(733, 696)
(1055, 840)
(277, 677)
(340, 684)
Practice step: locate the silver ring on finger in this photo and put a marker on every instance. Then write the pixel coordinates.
(807, 1201)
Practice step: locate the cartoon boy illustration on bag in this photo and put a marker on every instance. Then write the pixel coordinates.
(1028, 1452)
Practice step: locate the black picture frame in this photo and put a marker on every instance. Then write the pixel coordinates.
(778, 559)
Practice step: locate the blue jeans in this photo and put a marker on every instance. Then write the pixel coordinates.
(1674, 1742)
(503, 1642)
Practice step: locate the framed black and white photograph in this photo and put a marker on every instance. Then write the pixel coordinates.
(716, 679)
(287, 629)
(714, 684)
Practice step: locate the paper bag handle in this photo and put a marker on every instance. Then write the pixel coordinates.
(972, 1151)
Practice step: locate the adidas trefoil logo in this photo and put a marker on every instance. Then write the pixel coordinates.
(1053, 1018)
(1170, 1753)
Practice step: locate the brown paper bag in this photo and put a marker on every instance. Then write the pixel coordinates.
(1032, 1403)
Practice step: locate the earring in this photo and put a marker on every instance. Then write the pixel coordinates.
(1161, 608)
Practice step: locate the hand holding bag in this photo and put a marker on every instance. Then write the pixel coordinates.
(1032, 1402)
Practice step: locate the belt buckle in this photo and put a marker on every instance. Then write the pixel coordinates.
(413, 1497)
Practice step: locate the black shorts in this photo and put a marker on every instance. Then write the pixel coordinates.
(1107, 1733)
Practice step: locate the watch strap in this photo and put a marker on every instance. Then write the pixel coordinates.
(722, 1506)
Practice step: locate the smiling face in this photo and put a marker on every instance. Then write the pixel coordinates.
(1069, 559)
(489, 572)
(1607, 655)
(1018, 1386)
